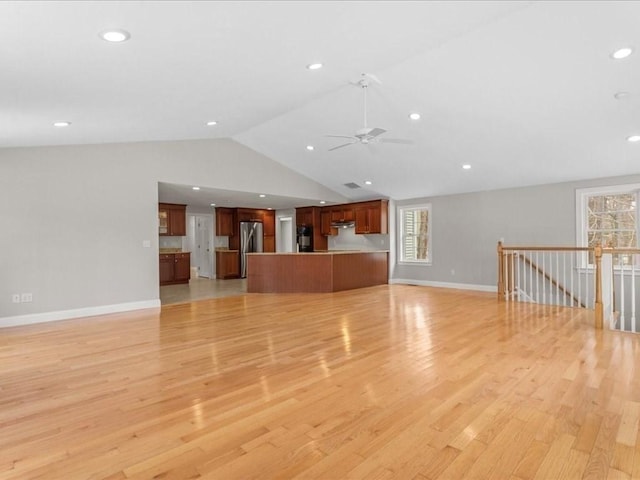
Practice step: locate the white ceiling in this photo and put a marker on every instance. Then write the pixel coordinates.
(522, 91)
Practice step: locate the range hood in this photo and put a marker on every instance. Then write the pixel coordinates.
(343, 224)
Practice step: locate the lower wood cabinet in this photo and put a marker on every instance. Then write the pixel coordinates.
(227, 264)
(175, 268)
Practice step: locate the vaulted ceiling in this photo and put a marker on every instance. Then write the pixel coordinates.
(523, 92)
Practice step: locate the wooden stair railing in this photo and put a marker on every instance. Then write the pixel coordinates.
(506, 282)
(552, 280)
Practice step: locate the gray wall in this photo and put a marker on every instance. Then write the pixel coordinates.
(74, 217)
(467, 227)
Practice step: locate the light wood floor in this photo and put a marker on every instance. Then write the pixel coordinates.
(386, 382)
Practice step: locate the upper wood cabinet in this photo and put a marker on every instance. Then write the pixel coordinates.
(249, 215)
(172, 219)
(269, 222)
(224, 221)
(372, 217)
(304, 216)
(342, 213)
(325, 223)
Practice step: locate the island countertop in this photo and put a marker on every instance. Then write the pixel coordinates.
(319, 252)
(325, 271)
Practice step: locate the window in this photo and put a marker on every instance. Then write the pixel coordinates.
(608, 216)
(415, 234)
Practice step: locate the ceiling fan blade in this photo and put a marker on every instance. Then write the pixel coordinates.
(396, 140)
(340, 146)
(341, 136)
(372, 77)
(374, 132)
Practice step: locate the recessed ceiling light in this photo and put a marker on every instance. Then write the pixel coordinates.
(414, 116)
(213, 204)
(322, 202)
(633, 138)
(466, 166)
(310, 147)
(212, 123)
(195, 188)
(115, 36)
(262, 195)
(367, 182)
(61, 124)
(622, 53)
(269, 208)
(314, 66)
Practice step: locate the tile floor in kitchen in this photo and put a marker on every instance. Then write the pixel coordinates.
(201, 289)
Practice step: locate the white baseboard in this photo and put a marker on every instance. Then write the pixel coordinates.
(458, 286)
(19, 320)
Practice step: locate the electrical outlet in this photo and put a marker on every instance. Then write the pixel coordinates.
(26, 297)
(15, 298)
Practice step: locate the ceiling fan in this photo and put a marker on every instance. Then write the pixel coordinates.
(367, 135)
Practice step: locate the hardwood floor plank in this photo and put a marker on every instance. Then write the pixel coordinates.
(394, 381)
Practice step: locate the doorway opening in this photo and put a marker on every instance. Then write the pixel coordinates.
(285, 235)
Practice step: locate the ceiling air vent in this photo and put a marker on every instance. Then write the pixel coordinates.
(352, 185)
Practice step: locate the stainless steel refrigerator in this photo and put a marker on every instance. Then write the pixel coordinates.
(250, 241)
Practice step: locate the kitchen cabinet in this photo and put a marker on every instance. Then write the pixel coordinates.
(224, 222)
(304, 216)
(249, 215)
(175, 268)
(172, 219)
(269, 223)
(342, 213)
(372, 217)
(325, 223)
(310, 216)
(269, 243)
(227, 264)
(269, 231)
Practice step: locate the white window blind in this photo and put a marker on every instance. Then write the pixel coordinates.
(415, 234)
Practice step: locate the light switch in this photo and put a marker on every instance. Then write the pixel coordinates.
(146, 244)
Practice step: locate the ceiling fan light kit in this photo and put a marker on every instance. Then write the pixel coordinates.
(367, 135)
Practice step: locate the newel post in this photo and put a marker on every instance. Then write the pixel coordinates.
(500, 272)
(599, 312)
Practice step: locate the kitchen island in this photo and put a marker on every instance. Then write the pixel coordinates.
(317, 272)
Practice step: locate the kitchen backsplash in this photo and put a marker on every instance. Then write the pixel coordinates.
(348, 240)
(221, 242)
(170, 242)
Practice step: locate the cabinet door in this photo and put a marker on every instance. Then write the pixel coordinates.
(224, 222)
(348, 214)
(163, 222)
(269, 243)
(232, 264)
(178, 221)
(167, 268)
(336, 214)
(227, 264)
(362, 220)
(325, 223)
(269, 223)
(182, 267)
(304, 216)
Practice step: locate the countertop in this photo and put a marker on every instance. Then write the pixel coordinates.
(170, 251)
(322, 252)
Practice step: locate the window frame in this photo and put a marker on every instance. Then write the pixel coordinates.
(582, 200)
(400, 211)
